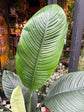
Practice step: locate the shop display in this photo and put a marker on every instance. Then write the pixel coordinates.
(4, 43)
(3, 31)
(15, 36)
(3, 50)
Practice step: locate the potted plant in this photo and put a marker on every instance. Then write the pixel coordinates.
(37, 56)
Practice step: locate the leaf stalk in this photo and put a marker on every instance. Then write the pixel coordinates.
(29, 108)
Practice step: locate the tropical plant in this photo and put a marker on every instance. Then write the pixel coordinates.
(37, 57)
(9, 81)
(38, 53)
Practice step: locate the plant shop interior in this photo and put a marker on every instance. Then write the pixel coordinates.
(14, 15)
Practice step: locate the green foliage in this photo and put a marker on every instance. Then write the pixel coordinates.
(81, 61)
(10, 81)
(38, 53)
(67, 93)
(42, 92)
(82, 53)
(37, 57)
(71, 11)
(40, 46)
(11, 55)
(17, 100)
(70, 16)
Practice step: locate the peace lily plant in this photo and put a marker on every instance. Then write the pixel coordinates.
(37, 56)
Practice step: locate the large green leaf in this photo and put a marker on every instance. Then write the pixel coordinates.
(17, 100)
(40, 46)
(9, 82)
(67, 93)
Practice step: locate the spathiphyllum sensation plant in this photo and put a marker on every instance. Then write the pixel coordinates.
(38, 53)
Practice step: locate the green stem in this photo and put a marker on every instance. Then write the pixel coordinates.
(29, 108)
(39, 107)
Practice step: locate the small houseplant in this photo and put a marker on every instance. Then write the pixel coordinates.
(38, 53)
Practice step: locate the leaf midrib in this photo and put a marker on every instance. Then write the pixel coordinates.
(31, 89)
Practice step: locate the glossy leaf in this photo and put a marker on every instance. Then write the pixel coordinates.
(17, 100)
(40, 46)
(67, 94)
(10, 81)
